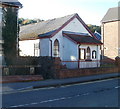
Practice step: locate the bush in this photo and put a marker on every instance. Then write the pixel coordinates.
(46, 66)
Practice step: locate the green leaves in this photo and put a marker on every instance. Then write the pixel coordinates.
(23, 21)
(9, 34)
(94, 28)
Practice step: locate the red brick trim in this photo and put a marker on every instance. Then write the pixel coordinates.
(82, 61)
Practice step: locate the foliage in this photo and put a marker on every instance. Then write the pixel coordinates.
(23, 21)
(43, 66)
(9, 34)
(94, 28)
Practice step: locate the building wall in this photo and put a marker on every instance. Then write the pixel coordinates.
(71, 60)
(110, 39)
(45, 44)
(94, 62)
(69, 49)
(45, 47)
(119, 39)
(27, 47)
(73, 26)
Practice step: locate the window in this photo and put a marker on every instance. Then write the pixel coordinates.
(88, 53)
(36, 49)
(56, 48)
(82, 54)
(94, 54)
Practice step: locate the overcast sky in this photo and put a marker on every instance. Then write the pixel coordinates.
(91, 11)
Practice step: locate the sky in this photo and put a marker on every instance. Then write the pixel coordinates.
(91, 11)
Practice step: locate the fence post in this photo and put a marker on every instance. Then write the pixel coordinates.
(5, 71)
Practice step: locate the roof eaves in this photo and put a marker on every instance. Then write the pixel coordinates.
(90, 43)
(97, 42)
(70, 38)
(15, 4)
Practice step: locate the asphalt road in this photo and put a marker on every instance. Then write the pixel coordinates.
(93, 94)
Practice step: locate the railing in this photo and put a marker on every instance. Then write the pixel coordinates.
(81, 64)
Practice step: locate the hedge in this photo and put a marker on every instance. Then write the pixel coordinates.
(43, 66)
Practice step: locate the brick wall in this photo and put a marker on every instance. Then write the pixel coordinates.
(68, 73)
(20, 78)
(63, 72)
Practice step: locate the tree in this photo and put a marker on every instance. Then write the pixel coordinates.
(94, 28)
(10, 34)
(23, 21)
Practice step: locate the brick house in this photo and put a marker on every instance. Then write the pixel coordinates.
(67, 37)
(111, 34)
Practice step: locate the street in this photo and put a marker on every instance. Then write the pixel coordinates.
(103, 93)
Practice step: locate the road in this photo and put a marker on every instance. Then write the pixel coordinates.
(93, 94)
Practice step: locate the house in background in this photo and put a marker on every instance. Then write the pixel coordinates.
(67, 37)
(111, 33)
(14, 4)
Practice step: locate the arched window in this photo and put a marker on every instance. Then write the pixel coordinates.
(88, 53)
(94, 54)
(56, 48)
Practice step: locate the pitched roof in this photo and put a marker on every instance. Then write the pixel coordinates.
(47, 28)
(11, 3)
(33, 30)
(81, 38)
(111, 15)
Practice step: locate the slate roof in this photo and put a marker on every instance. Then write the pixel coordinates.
(48, 28)
(11, 3)
(113, 14)
(81, 38)
(37, 29)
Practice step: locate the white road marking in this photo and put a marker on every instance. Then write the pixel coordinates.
(30, 87)
(46, 101)
(51, 100)
(86, 93)
(117, 87)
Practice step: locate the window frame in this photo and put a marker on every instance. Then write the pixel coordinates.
(56, 48)
(94, 52)
(80, 53)
(88, 53)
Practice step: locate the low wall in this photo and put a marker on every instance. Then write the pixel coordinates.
(68, 73)
(20, 78)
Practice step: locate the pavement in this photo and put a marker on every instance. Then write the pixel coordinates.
(19, 86)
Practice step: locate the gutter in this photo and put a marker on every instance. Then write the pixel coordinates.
(51, 46)
(78, 56)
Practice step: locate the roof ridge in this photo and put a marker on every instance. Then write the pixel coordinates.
(45, 26)
(111, 15)
(50, 19)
